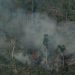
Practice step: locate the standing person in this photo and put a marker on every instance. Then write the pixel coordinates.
(45, 41)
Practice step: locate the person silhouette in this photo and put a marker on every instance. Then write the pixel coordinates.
(45, 40)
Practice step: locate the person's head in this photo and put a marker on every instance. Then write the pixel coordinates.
(59, 46)
(45, 35)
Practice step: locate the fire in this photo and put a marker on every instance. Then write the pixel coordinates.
(34, 55)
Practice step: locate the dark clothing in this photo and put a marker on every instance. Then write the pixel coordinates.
(45, 42)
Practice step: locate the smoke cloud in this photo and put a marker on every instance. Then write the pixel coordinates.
(29, 29)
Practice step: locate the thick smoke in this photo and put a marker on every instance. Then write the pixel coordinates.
(27, 28)
(67, 32)
(30, 28)
(35, 28)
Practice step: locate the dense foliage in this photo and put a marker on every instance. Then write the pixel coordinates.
(60, 9)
